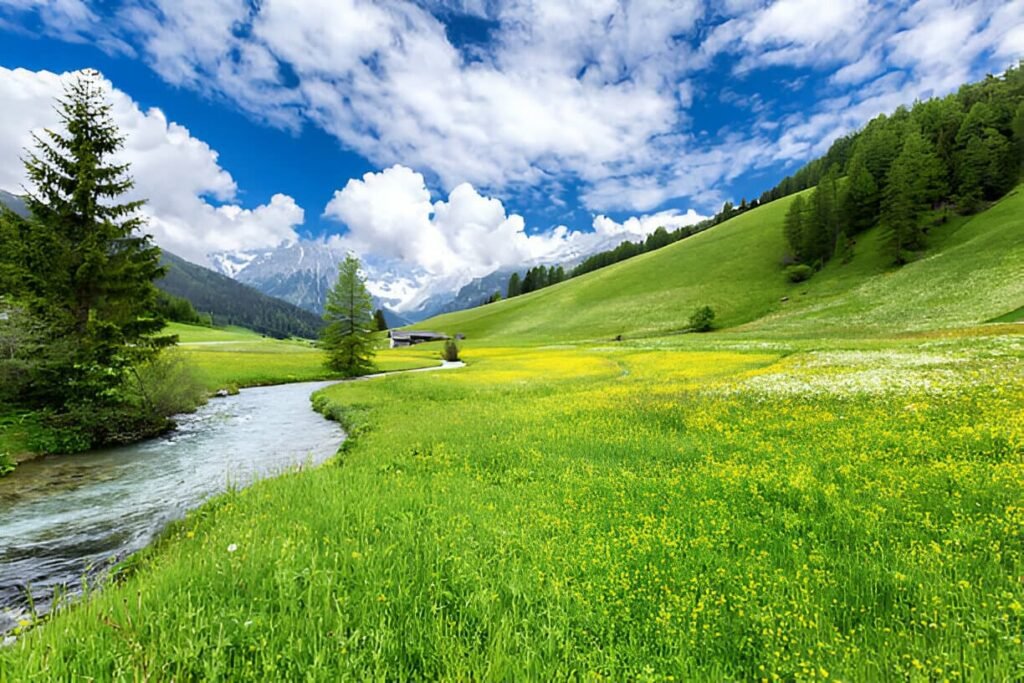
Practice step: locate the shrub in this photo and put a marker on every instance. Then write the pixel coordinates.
(702, 318)
(139, 407)
(450, 352)
(799, 272)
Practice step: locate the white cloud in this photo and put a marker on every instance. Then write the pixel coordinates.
(173, 171)
(598, 92)
(447, 243)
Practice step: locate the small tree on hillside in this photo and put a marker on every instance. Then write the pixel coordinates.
(702, 319)
(348, 337)
(379, 320)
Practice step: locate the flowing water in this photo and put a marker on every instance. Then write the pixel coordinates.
(64, 517)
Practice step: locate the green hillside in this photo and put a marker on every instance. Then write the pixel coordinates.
(973, 272)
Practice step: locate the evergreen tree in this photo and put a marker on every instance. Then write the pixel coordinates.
(1017, 127)
(879, 143)
(379, 320)
(916, 180)
(794, 227)
(348, 337)
(817, 231)
(860, 201)
(515, 287)
(88, 268)
(529, 282)
(986, 167)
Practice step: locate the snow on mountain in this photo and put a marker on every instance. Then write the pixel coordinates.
(303, 272)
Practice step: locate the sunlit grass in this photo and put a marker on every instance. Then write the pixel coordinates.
(608, 513)
(235, 357)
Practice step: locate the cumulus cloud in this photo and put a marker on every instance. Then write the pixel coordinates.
(173, 171)
(447, 243)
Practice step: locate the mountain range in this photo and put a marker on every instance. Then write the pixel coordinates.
(302, 273)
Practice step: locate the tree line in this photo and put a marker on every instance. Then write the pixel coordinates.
(958, 152)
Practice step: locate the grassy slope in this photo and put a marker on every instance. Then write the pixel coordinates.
(973, 273)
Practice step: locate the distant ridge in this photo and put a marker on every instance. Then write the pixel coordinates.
(233, 303)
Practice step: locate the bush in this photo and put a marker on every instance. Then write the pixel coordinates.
(702, 318)
(139, 407)
(799, 272)
(167, 385)
(450, 352)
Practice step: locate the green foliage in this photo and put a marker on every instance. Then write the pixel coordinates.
(701, 319)
(23, 342)
(861, 199)
(916, 180)
(86, 316)
(515, 286)
(6, 463)
(799, 272)
(379, 321)
(348, 337)
(180, 310)
(961, 148)
(450, 352)
(794, 227)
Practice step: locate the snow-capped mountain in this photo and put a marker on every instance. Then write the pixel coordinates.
(303, 272)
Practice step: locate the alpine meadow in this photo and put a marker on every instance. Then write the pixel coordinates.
(760, 416)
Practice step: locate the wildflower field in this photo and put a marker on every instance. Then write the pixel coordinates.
(686, 508)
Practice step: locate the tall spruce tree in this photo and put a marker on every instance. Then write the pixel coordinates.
(88, 267)
(348, 337)
(379, 320)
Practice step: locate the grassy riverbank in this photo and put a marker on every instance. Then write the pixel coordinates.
(695, 507)
(223, 358)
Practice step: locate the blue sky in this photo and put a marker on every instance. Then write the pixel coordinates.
(494, 132)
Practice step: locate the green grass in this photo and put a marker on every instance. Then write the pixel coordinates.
(635, 512)
(190, 334)
(18, 430)
(973, 272)
(236, 357)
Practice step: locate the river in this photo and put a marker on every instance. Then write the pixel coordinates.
(63, 517)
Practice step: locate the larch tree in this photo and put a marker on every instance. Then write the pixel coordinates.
(348, 336)
(860, 201)
(915, 181)
(794, 227)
